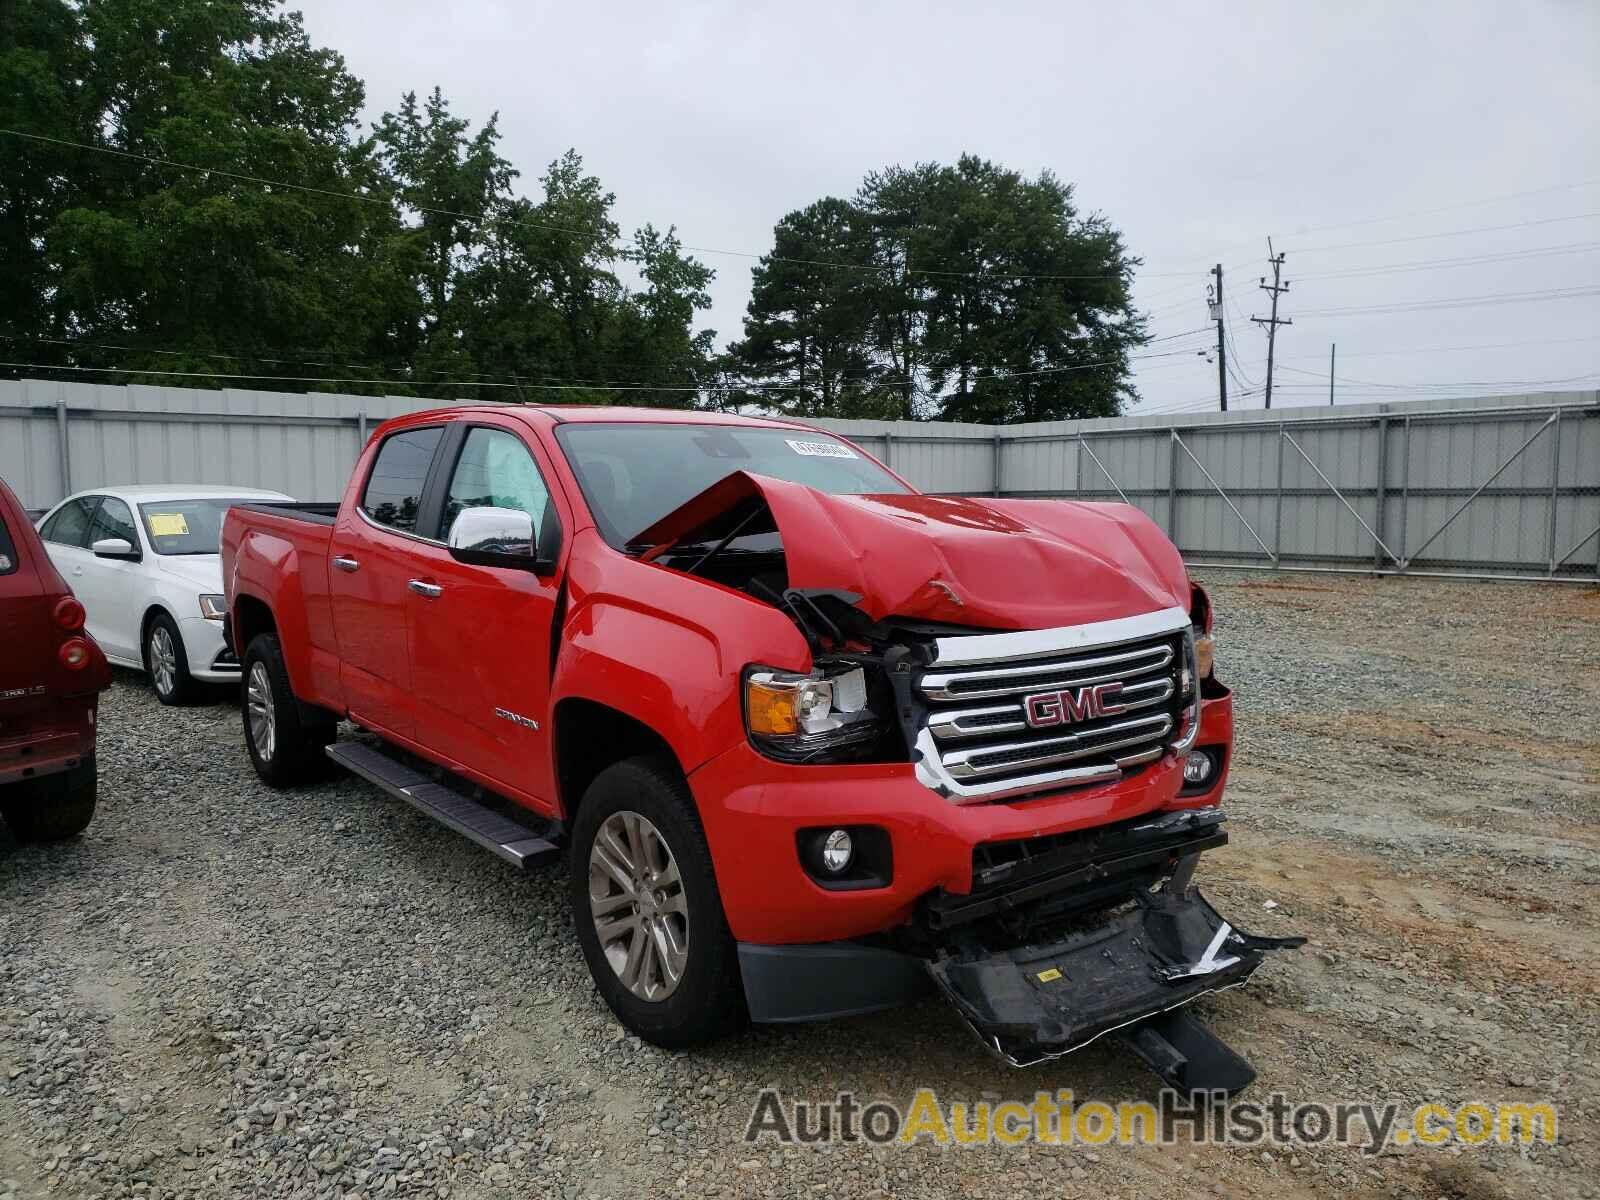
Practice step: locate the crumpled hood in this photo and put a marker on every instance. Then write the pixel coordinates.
(996, 564)
(203, 571)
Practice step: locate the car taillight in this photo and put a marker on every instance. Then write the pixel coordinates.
(69, 613)
(74, 654)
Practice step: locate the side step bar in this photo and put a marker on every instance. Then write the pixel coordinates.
(516, 844)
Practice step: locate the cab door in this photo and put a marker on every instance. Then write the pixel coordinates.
(481, 636)
(66, 540)
(374, 552)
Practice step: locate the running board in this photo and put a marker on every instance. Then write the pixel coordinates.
(501, 835)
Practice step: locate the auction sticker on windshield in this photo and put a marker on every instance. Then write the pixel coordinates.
(820, 449)
(168, 524)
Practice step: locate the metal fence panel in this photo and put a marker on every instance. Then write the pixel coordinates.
(1490, 485)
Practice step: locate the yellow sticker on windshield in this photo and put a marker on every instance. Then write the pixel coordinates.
(168, 525)
(1049, 976)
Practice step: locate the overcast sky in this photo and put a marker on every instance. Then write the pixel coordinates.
(1198, 130)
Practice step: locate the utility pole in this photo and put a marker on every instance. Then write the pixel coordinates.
(1215, 301)
(1272, 322)
(1333, 350)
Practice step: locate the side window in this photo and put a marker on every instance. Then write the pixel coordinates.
(495, 469)
(114, 520)
(394, 489)
(70, 524)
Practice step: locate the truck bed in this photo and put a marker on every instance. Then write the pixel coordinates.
(316, 512)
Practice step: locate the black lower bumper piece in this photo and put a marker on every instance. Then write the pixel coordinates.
(1125, 975)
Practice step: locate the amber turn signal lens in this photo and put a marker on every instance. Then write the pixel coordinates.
(771, 710)
(74, 654)
(1205, 655)
(69, 613)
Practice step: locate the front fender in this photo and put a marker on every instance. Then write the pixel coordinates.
(666, 649)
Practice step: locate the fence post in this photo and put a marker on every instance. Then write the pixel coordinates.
(63, 450)
(1555, 478)
(997, 467)
(888, 449)
(361, 430)
(1277, 506)
(1172, 487)
(1077, 464)
(1381, 493)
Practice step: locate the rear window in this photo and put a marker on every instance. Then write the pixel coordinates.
(394, 489)
(8, 550)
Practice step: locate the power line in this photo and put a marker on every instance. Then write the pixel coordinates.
(1467, 383)
(1422, 237)
(1481, 346)
(1471, 260)
(1457, 302)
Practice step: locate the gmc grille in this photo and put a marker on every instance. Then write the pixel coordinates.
(1010, 714)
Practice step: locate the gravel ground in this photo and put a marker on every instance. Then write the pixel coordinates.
(221, 991)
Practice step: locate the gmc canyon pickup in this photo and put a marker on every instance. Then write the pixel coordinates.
(814, 743)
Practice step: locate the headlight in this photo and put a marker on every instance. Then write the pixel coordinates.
(1205, 654)
(803, 717)
(213, 608)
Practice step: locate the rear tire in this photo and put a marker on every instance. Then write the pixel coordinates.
(167, 662)
(284, 738)
(53, 808)
(658, 888)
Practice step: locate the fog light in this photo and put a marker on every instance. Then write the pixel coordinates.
(837, 852)
(1197, 767)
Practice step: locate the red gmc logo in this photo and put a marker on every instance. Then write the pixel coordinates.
(1063, 708)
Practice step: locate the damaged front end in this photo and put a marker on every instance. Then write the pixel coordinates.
(1063, 940)
(920, 654)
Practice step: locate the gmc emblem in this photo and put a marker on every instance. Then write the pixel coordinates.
(1063, 708)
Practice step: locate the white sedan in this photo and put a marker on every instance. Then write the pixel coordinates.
(145, 563)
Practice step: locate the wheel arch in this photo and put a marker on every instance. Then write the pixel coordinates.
(156, 608)
(591, 736)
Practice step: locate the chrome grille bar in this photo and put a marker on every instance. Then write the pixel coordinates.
(953, 724)
(1068, 707)
(1044, 677)
(968, 764)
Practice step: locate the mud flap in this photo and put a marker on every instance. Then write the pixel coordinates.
(1040, 1001)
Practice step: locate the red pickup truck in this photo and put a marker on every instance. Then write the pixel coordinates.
(814, 743)
(51, 677)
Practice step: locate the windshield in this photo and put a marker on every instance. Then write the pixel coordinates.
(632, 475)
(187, 526)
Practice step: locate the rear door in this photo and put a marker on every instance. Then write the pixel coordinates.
(481, 636)
(66, 539)
(374, 552)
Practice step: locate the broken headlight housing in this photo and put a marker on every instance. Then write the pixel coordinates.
(809, 718)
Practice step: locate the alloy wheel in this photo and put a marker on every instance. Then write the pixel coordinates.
(263, 718)
(163, 660)
(640, 911)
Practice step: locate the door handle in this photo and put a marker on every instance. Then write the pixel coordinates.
(423, 588)
(346, 564)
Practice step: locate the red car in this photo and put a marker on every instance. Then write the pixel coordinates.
(815, 743)
(51, 677)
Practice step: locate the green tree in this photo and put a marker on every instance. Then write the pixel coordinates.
(992, 300)
(204, 270)
(809, 324)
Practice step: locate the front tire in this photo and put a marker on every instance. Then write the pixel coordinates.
(167, 661)
(645, 904)
(53, 808)
(284, 740)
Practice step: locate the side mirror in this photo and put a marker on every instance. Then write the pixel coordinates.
(494, 537)
(115, 548)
